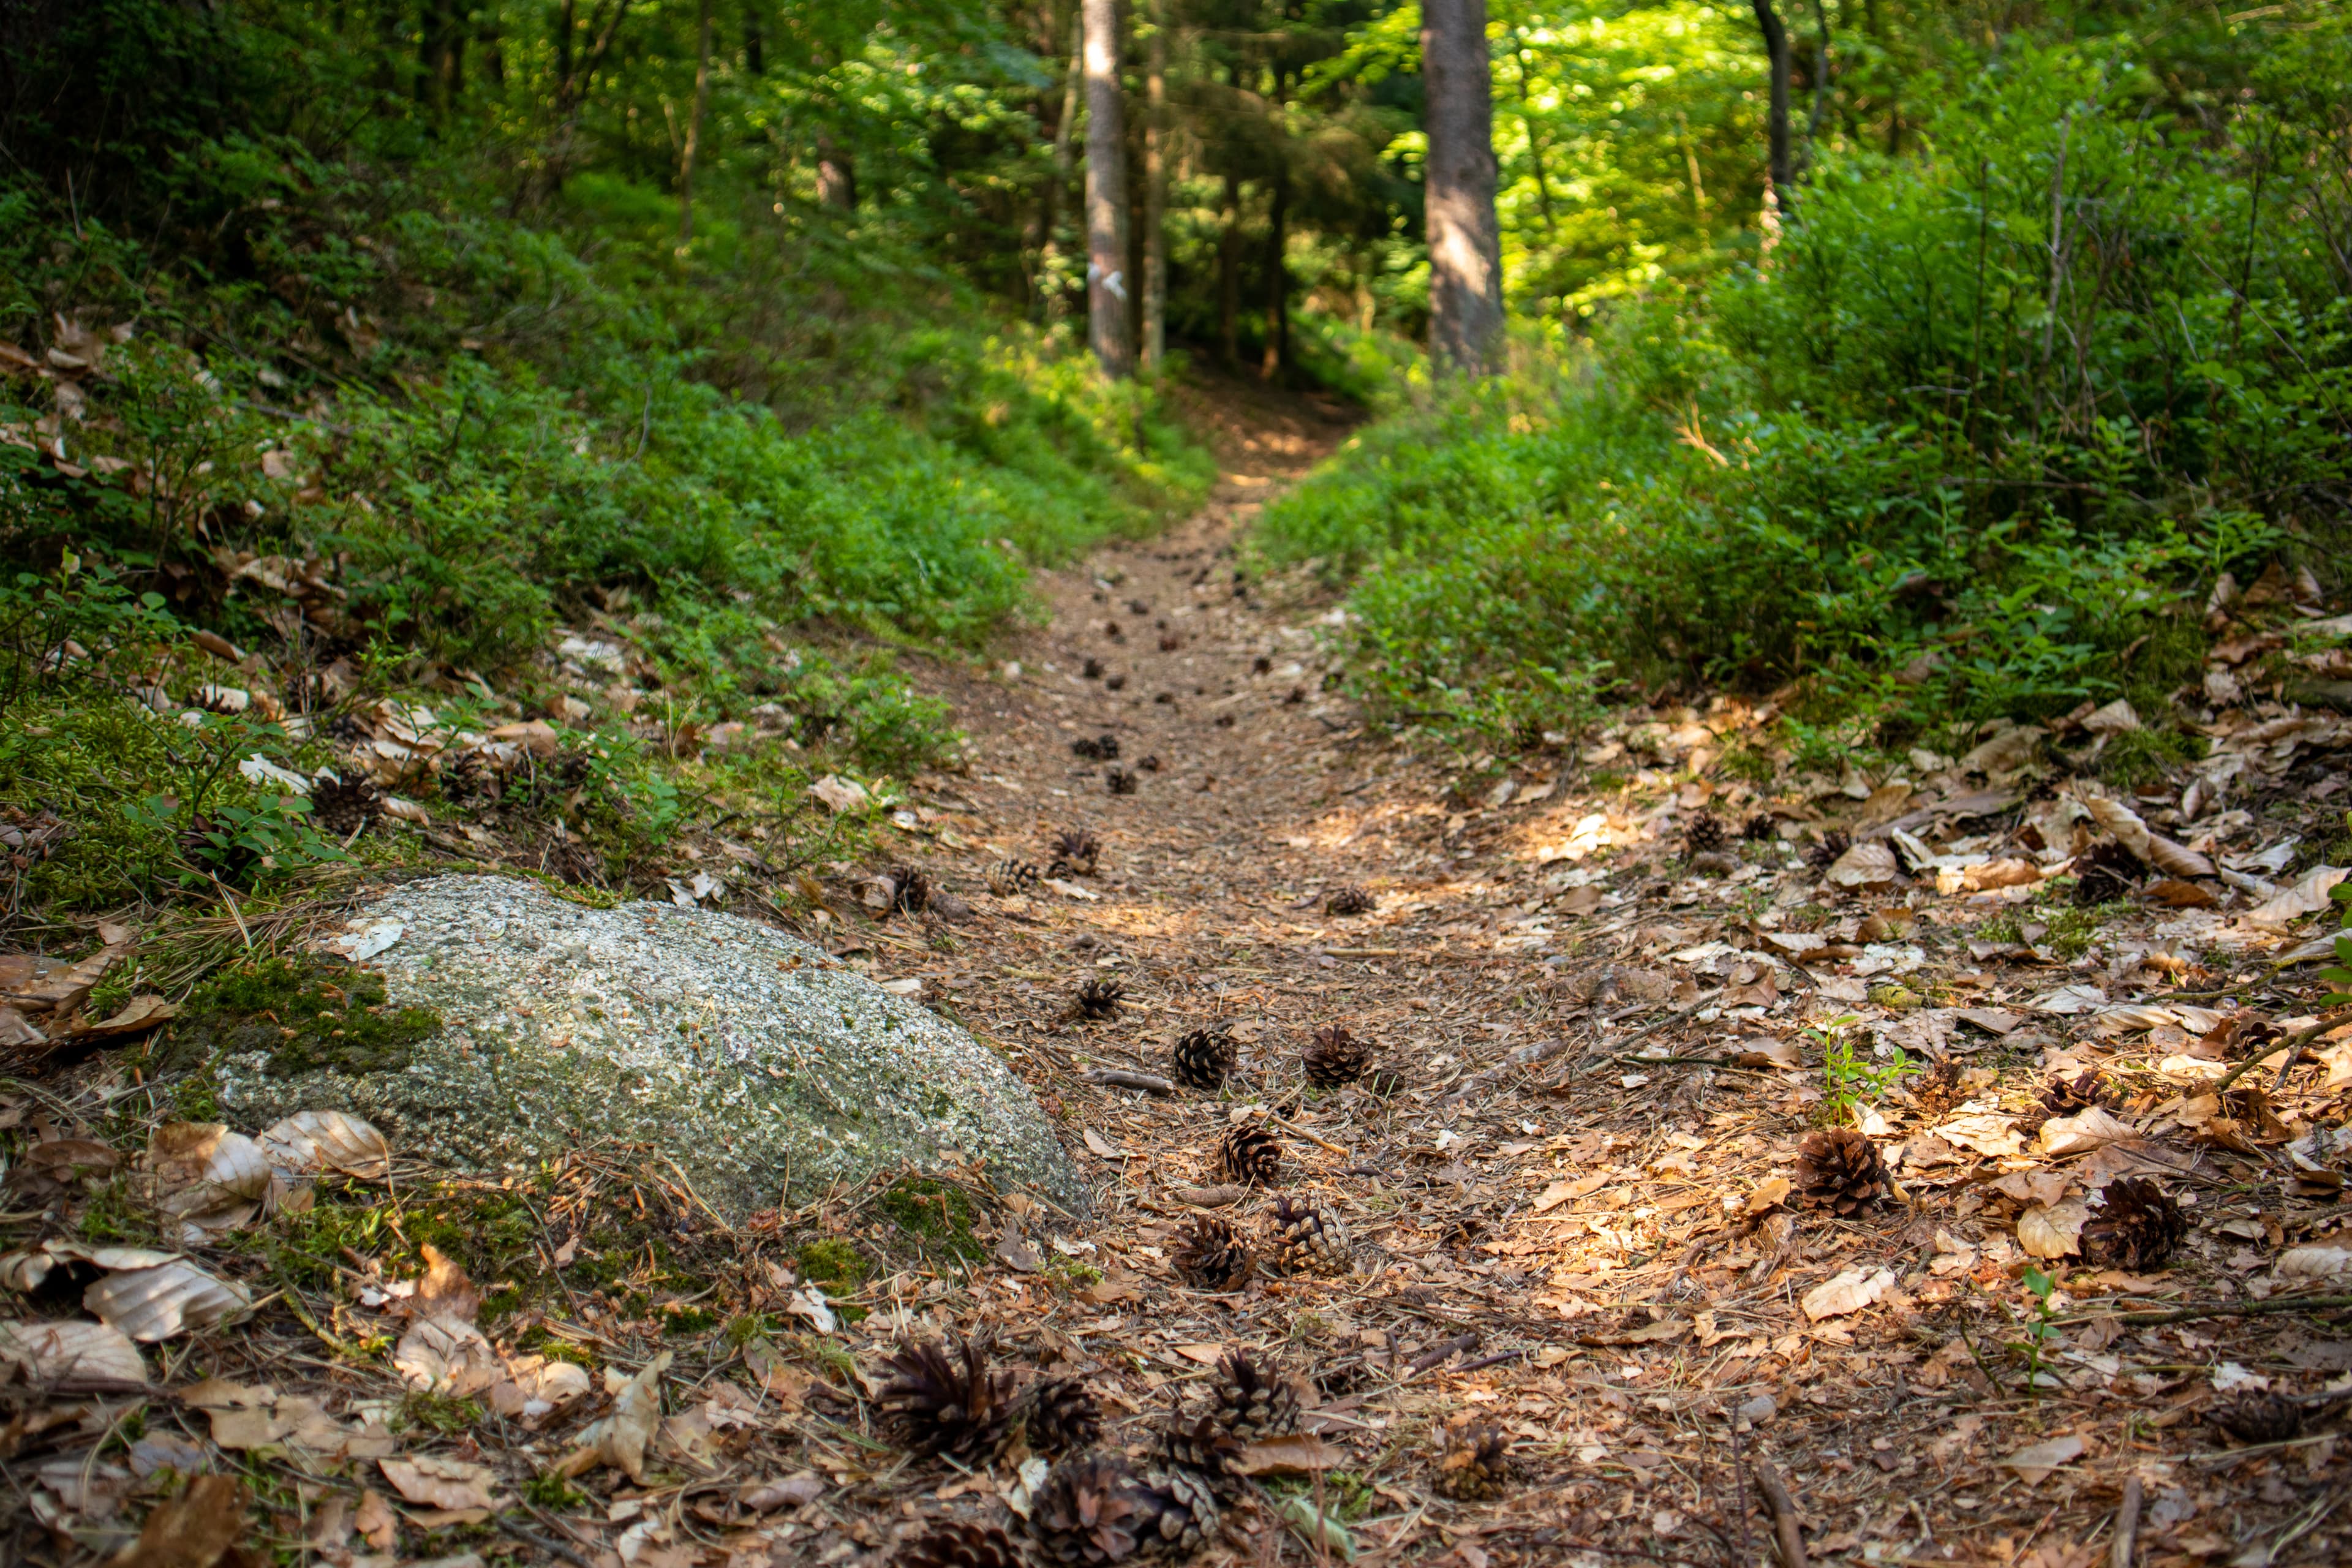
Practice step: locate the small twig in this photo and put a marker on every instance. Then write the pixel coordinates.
(2328, 1020)
(552, 1548)
(1483, 1362)
(1690, 1062)
(2218, 1310)
(1320, 1143)
(1786, 1530)
(2119, 1552)
(1436, 1353)
(1207, 1197)
(1120, 1077)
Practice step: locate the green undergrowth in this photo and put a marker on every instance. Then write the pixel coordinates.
(1861, 474)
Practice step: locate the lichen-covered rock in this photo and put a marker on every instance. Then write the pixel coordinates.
(749, 1057)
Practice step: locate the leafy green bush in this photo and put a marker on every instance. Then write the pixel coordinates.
(1936, 460)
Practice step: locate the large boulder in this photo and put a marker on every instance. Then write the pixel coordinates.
(752, 1059)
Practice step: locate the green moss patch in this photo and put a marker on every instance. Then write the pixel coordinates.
(303, 1014)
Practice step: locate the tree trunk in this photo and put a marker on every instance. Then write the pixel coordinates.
(694, 131)
(1155, 192)
(1229, 275)
(1776, 49)
(1049, 212)
(755, 40)
(1465, 260)
(1107, 283)
(836, 175)
(1276, 359)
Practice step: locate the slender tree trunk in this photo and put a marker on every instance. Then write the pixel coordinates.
(836, 175)
(755, 40)
(1776, 51)
(1465, 265)
(694, 131)
(565, 25)
(1155, 191)
(1229, 275)
(1276, 359)
(1049, 215)
(1106, 281)
(1820, 83)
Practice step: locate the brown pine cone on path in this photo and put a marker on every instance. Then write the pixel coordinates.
(1476, 1465)
(2107, 874)
(948, 1402)
(1704, 836)
(1940, 1088)
(1211, 1255)
(1075, 853)
(1099, 998)
(1008, 878)
(1249, 1397)
(1202, 1444)
(1758, 827)
(1095, 1508)
(1825, 852)
(1204, 1059)
(1333, 1056)
(2258, 1415)
(911, 890)
(2065, 1095)
(1346, 899)
(2136, 1228)
(1308, 1238)
(1249, 1156)
(1058, 1415)
(953, 1543)
(1840, 1170)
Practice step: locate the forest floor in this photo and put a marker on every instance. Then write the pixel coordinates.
(1575, 1213)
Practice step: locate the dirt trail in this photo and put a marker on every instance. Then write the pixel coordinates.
(1549, 1234)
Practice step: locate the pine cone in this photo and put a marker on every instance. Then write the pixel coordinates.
(1147, 766)
(1757, 828)
(468, 781)
(1346, 899)
(1261, 665)
(954, 1405)
(2138, 1227)
(911, 890)
(952, 1543)
(338, 809)
(1204, 1057)
(1704, 834)
(1203, 1445)
(1099, 998)
(2064, 1096)
(1477, 1464)
(1087, 748)
(2108, 874)
(1007, 878)
(1095, 1507)
(1248, 1154)
(1825, 854)
(1383, 1083)
(1938, 1088)
(1840, 1170)
(1059, 1415)
(1251, 1398)
(1119, 781)
(1306, 1237)
(1115, 683)
(1334, 1056)
(2258, 1415)
(1091, 669)
(1074, 853)
(1211, 1255)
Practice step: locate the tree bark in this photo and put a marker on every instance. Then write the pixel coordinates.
(836, 175)
(694, 131)
(1776, 51)
(1229, 274)
(1107, 281)
(1155, 191)
(1465, 265)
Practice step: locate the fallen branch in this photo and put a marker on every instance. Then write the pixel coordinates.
(1206, 1198)
(1436, 1353)
(1689, 1062)
(1786, 1530)
(2218, 1310)
(1120, 1077)
(2119, 1552)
